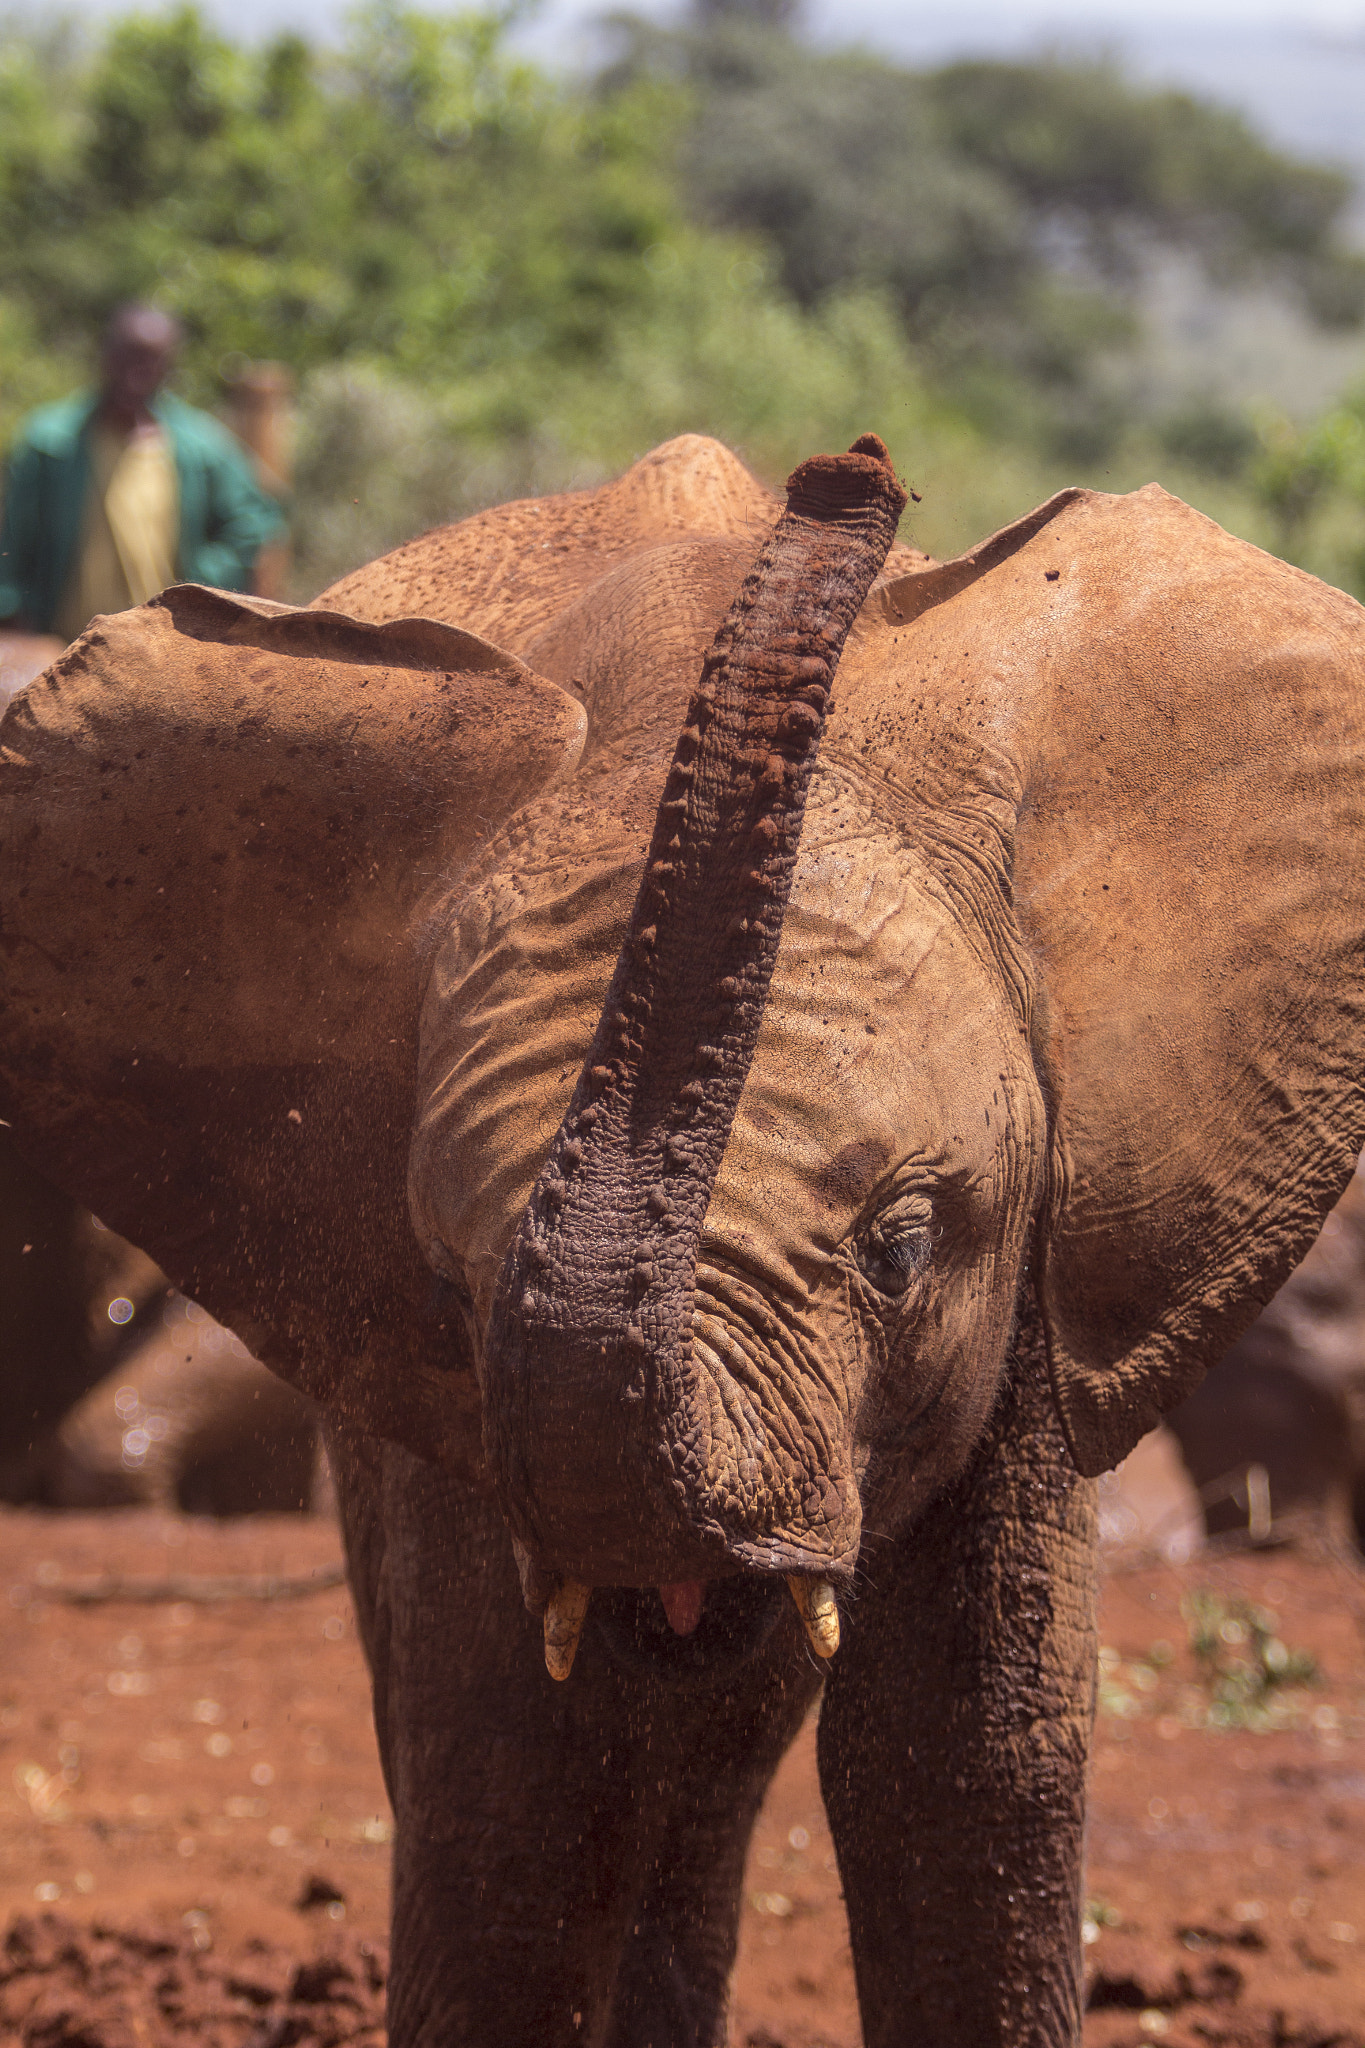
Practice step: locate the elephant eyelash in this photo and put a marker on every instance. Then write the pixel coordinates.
(910, 1252)
(890, 1260)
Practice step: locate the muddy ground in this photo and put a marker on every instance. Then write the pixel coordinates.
(193, 1831)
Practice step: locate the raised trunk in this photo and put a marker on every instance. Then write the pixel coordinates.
(597, 1447)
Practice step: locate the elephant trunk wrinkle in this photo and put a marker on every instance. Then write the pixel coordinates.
(590, 1339)
(778, 1418)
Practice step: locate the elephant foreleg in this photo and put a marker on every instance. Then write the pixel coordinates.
(512, 1827)
(953, 1746)
(568, 1858)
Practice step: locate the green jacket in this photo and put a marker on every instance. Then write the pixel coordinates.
(225, 516)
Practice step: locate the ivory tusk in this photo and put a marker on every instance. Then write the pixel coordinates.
(819, 1615)
(564, 1614)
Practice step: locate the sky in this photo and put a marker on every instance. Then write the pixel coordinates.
(1297, 70)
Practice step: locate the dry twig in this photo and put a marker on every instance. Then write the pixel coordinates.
(197, 1587)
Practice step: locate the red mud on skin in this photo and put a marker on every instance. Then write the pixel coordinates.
(1192, 1830)
(683, 1601)
(614, 1219)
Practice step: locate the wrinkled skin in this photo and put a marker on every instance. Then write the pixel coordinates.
(1290, 1395)
(829, 1159)
(621, 1805)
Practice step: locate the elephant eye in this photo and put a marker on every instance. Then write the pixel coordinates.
(894, 1250)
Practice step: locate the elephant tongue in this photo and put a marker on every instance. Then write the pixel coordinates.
(683, 1604)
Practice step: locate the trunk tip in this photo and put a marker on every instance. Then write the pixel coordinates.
(872, 444)
(850, 488)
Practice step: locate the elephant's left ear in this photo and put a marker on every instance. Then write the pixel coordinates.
(1190, 871)
(217, 820)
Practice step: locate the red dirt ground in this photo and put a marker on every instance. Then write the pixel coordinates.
(193, 1828)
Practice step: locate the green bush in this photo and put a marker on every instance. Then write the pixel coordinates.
(1210, 436)
(1243, 1662)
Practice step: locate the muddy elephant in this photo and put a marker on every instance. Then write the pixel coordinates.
(114, 1392)
(733, 1153)
(1289, 1397)
(189, 1421)
(75, 1300)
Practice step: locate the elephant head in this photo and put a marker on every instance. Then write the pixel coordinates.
(1045, 978)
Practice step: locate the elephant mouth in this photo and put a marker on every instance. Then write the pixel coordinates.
(738, 1616)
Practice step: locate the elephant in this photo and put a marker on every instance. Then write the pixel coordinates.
(105, 1406)
(61, 1274)
(230, 1438)
(189, 1421)
(1289, 1396)
(743, 1067)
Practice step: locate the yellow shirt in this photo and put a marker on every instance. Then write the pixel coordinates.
(129, 528)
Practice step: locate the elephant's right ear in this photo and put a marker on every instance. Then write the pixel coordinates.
(1189, 869)
(1155, 735)
(218, 818)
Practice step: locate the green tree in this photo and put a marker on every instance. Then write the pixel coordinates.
(417, 196)
(1010, 210)
(487, 280)
(490, 281)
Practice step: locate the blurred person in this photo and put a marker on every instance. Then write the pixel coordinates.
(109, 496)
(112, 494)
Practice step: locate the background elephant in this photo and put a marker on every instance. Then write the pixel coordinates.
(1289, 1396)
(117, 1392)
(60, 1274)
(836, 1131)
(190, 1421)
